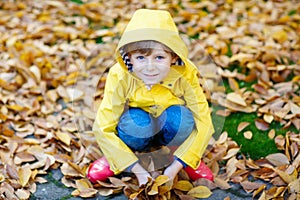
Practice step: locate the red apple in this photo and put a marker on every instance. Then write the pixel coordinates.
(99, 170)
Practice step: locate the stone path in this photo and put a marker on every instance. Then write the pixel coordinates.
(55, 190)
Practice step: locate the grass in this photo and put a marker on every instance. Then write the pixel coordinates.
(260, 145)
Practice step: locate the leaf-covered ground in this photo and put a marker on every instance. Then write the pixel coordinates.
(53, 59)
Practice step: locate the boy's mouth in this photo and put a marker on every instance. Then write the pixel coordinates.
(150, 75)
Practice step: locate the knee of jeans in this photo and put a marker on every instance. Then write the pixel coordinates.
(134, 143)
(135, 116)
(180, 117)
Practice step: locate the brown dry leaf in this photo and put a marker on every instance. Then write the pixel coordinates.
(280, 142)
(224, 185)
(251, 186)
(248, 135)
(232, 152)
(234, 85)
(105, 191)
(259, 190)
(231, 166)
(236, 98)
(116, 182)
(22, 194)
(200, 192)
(85, 189)
(242, 125)
(271, 134)
(261, 125)
(294, 186)
(12, 172)
(278, 159)
(70, 170)
(222, 139)
(268, 118)
(285, 176)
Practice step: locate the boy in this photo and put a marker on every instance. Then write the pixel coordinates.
(152, 98)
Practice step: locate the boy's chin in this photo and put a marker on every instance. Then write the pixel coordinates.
(151, 83)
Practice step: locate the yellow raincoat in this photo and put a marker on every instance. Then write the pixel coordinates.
(180, 87)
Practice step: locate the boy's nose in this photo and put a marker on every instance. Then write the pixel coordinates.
(150, 65)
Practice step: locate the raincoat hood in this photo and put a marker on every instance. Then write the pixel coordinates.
(157, 25)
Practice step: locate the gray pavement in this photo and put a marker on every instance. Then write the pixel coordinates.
(55, 190)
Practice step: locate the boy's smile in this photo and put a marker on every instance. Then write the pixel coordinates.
(152, 67)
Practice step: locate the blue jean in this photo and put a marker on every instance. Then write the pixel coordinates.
(139, 130)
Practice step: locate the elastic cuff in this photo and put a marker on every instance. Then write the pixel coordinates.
(179, 160)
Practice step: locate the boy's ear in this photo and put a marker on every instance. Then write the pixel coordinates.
(174, 59)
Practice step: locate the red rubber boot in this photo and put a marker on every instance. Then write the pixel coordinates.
(99, 170)
(201, 172)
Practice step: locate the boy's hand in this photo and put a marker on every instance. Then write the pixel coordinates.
(173, 169)
(141, 174)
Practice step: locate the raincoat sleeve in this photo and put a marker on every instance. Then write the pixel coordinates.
(114, 149)
(193, 148)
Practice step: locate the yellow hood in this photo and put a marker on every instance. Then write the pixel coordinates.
(157, 25)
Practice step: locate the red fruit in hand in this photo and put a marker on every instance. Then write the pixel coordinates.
(201, 172)
(99, 170)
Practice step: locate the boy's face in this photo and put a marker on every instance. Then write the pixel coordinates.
(154, 67)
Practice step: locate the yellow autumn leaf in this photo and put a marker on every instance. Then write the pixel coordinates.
(24, 174)
(200, 192)
(64, 137)
(2, 178)
(83, 184)
(281, 36)
(161, 179)
(154, 190)
(183, 185)
(15, 107)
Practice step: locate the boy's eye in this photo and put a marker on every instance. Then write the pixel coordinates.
(140, 57)
(160, 57)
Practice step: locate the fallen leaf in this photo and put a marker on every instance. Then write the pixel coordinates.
(248, 135)
(242, 125)
(64, 137)
(200, 192)
(24, 174)
(183, 185)
(271, 134)
(236, 98)
(261, 124)
(278, 159)
(251, 186)
(232, 152)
